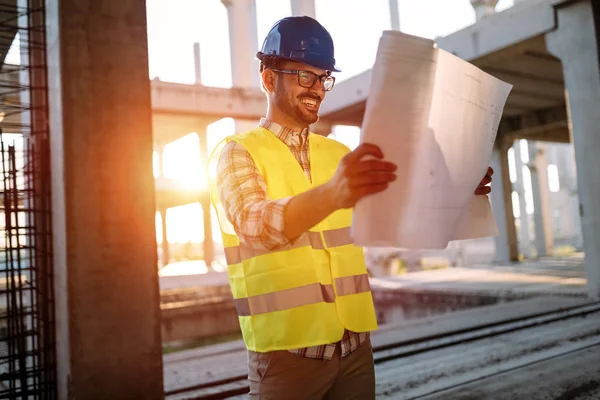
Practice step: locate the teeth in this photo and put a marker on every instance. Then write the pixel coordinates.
(309, 102)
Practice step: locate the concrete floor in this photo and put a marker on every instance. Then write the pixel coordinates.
(544, 362)
(422, 374)
(575, 376)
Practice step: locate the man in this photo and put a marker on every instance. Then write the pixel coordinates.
(284, 198)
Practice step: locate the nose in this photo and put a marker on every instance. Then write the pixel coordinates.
(319, 87)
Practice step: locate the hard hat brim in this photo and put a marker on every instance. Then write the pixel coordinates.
(333, 68)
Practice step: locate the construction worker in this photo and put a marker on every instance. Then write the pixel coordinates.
(283, 198)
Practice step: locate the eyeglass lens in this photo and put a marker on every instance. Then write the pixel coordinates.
(307, 79)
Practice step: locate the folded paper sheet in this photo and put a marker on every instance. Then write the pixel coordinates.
(436, 116)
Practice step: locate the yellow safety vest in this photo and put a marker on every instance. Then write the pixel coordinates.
(306, 293)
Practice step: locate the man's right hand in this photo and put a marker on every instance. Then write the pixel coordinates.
(356, 178)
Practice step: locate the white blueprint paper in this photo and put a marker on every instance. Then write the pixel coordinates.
(436, 116)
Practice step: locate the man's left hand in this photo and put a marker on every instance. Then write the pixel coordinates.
(483, 189)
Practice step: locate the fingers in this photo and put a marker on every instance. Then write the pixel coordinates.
(371, 166)
(362, 150)
(372, 178)
(483, 190)
(486, 179)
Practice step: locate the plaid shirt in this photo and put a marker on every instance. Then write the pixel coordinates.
(259, 221)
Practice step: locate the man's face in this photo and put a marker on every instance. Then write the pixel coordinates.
(299, 102)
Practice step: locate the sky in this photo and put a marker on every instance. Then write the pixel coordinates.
(355, 25)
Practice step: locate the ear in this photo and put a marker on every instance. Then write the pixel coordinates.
(268, 80)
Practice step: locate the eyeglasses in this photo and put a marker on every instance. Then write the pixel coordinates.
(308, 79)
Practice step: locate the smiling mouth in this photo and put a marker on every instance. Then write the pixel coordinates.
(311, 104)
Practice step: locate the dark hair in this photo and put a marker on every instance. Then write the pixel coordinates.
(270, 62)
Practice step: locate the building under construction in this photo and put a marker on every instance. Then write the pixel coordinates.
(84, 312)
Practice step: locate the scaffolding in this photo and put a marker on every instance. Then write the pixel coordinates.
(27, 321)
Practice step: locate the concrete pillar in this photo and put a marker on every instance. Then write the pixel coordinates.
(501, 196)
(525, 238)
(576, 42)
(483, 8)
(568, 181)
(243, 39)
(197, 67)
(208, 245)
(166, 253)
(542, 217)
(394, 15)
(304, 7)
(103, 211)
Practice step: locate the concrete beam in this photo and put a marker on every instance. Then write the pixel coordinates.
(106, 283)
(208, 102)
(167, 128)
(499, 31)
(549, 89)
(576, 42)
(557, 132)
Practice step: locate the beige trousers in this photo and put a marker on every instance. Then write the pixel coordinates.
(281, 375)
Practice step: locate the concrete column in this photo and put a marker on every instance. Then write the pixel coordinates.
(304, 7)
(208, 245)
(100, 124)
(525, 239)
(544, 238)
(483, 8)
(568, 181)
(576, 42)
(501, 196)
(394, 15)
(243, 38)
(166, 252)
(197, 67)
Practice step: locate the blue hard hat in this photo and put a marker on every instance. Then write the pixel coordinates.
(301, 39)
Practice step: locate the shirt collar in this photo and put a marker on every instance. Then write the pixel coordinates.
(285, 134)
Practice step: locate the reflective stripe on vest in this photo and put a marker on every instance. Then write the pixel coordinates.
(333, 238)
(301, 296)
